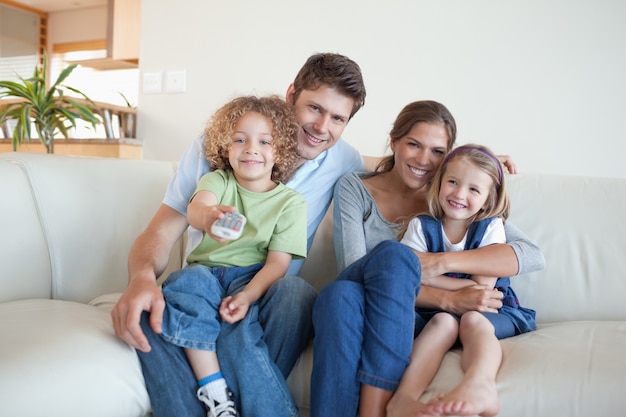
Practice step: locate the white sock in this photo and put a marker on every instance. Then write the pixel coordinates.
(216, 390)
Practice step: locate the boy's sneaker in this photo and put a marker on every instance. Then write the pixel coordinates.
(223, 409)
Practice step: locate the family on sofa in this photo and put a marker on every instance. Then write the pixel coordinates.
(370, 329)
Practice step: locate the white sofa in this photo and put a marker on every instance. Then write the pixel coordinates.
(67, 223)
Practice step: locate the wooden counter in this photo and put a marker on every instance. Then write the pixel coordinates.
(108, 148)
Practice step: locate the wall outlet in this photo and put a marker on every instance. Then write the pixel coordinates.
(176, 81)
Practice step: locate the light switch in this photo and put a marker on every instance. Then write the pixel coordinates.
(152, 82)
(176, 81)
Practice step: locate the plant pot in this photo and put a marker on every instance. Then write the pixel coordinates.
(128, 125)
(108, 123)
(7, 129)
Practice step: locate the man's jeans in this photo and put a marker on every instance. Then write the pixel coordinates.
(256, 355)
(364, 327)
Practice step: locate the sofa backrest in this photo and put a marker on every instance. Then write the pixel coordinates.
(578, 223)
(67, 223)
(59, 216)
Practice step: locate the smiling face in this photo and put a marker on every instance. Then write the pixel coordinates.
(322, 115)
(464, 189)
(251, 154)
(418, 154)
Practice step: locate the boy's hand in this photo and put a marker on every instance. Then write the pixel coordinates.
(211, 215)
(234, 308)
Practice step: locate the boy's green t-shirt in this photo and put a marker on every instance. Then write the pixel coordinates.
(276, 220)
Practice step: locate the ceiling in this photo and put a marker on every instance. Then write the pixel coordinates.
(59, 5)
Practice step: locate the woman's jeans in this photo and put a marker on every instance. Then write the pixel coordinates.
(255, 355)
(364, 327)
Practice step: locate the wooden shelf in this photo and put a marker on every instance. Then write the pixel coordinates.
(123, 148)
(106, 111)
(113, 146)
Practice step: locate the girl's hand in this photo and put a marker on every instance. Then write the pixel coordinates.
(234, 308)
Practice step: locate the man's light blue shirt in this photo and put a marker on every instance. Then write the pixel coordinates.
(315, 180)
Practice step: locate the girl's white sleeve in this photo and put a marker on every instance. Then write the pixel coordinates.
(414, 236)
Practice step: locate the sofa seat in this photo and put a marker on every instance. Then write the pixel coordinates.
(60, 358)
(590, 362)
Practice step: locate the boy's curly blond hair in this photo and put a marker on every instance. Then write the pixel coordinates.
(218, 133)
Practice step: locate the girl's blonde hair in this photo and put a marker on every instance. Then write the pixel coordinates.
(497, 203)
(219, 131)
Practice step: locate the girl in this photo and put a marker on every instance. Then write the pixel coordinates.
(251, 148)
(468, 205)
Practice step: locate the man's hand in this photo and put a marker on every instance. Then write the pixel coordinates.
(147, 260)
(141, 295)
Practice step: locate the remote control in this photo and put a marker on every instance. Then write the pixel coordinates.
(230, 226)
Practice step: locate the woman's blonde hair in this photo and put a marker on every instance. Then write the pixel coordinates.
(497, 203)
(219, 131)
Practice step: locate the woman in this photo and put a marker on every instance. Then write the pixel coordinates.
(371, 208)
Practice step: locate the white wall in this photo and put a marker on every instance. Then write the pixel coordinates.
(544, 81)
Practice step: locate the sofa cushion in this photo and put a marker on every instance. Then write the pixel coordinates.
(62, 357)
(24, 256)
(88, 206)
(578, 224)
(581, 361)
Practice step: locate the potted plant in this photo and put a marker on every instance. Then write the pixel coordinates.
(49, 110)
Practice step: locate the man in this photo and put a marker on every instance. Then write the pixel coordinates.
(326, 93)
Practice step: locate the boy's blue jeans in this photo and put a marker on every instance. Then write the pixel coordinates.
(256, 355)
(192, 300)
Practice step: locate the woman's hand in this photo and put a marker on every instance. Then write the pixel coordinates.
(475, 298)
(432, 263)
(508, 164)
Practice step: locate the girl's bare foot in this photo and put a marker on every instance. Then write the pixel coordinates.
(468, 399)
(404, 406)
